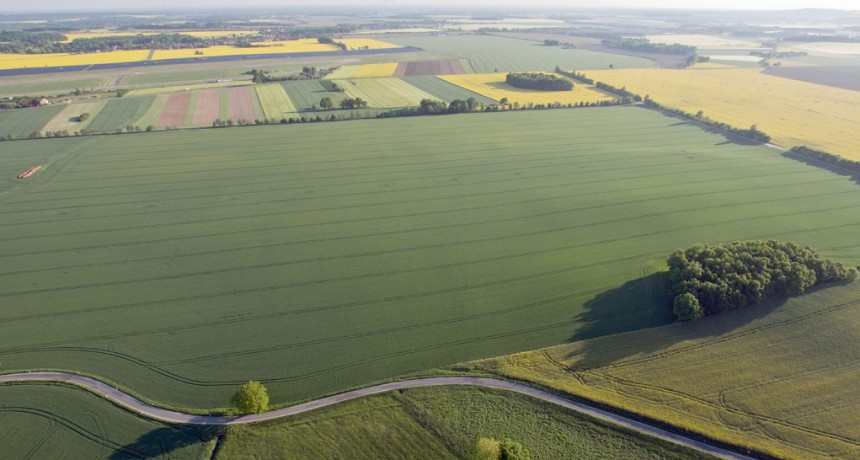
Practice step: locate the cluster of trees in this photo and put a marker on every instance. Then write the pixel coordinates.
(353, 103)
(751, 133)
(709, 279)
(772, 54)
(820, 155)
(578, 76)
(492, 449)
(644, 45)
(307, 73)
(694, 58)
(539, 81)
(330, 41)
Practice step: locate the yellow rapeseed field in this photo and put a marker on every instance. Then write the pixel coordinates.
(376, 70)
(792, 112)
(493, 86)
(21, 61)
(366, 43)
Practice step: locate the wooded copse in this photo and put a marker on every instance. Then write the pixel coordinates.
(539, 81)
(644, 45)
(713, 278)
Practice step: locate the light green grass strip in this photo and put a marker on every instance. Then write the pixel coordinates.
(189, 112)
(150, 118)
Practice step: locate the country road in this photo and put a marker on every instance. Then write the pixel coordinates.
(139, 407)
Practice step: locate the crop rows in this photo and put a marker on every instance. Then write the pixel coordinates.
(199, 261)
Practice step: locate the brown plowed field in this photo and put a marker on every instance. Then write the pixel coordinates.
(208, 107)
(174, 111)
(241, 103)
(839, 77)
(442, 67)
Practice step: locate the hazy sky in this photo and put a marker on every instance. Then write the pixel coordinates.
(55, 5)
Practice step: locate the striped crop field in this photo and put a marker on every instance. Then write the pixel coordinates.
(275, 101)
(243, 104)
(119, 113)
(445, 91)
(792, 112)
(306, 94)
(385, 69)
(384, 92)
(179, 264)
(490, 53)
(207, 108)
(68, 119)
(22, 123)
(440, 67)
(153, 113)
(175, 111)
(493, 86)
(790, 392)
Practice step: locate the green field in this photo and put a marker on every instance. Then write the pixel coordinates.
(275, 101)
(181, 264)
(153, 113)
(491, 53)
(306, 94)
(119, 113)
(68, 118)
(441, 423)
(55, 421)
(445, 91)
(34, 87)
(183, 76)
(790, 392)
(384, 92)
(23, 122)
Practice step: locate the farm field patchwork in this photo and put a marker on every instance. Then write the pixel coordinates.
(441, 423)
(492, 53)
(445, 91)
(40, 421)
(792, 112)
(384, 92)
(181, 264)
(153, 113)
(791, 391)
(274, 101)
(493, 86)
(119, 113)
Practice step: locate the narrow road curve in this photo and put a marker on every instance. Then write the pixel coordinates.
(139, 407)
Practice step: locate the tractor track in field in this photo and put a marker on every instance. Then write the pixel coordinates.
(139, 407)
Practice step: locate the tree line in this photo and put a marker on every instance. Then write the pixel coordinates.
(539, 81)
(713, 278)
(820, 155)
(645, 45)
(578, 76)
(50, 42)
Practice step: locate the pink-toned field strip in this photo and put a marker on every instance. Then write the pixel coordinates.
(174, 112)
(208, 107)
(241, 104)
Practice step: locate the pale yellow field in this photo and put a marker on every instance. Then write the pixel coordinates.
(194, 33)
(376, 70)
(67, 119)
(344, 71)
(792, 112)
(829, 48)
(493, 86)
(21, 61)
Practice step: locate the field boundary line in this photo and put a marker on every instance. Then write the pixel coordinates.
(136, 406)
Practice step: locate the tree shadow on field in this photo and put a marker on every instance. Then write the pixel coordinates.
(823, 165)
(646, 303)
(684, 121)
(164, 442)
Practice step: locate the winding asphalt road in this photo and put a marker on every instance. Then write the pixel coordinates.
(146, 410)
